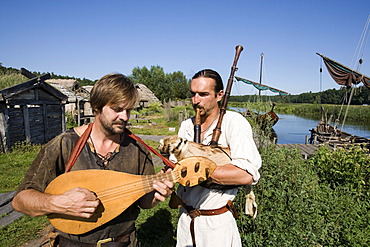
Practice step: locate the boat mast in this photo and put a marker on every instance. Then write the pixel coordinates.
(259, 91)
(360, 51)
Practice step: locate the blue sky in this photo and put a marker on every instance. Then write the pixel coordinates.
(92, 38)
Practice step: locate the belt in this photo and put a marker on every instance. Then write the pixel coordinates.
(120, 241)
(193, 213)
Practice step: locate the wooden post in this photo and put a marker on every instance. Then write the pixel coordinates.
(4, 127)
(167, 109)
(26, 121)
(62, 109)
(78, 112)
(45, 121)
(181, 117)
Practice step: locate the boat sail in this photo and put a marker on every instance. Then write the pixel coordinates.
(324, 131)
(262, 87)
(270, 118)
(343, 75)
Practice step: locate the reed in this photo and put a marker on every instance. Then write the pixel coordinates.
(356, 113)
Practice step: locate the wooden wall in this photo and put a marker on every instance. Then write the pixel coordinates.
(33, 116)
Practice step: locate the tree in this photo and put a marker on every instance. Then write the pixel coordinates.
(179, 85)
(164, 86)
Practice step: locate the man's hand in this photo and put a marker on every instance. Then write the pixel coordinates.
(163, 189)
(76, 202)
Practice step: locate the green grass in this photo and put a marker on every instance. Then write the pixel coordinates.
(157, 226)
(22, 231)
(13, 165)
(161, 122)
(11, 79)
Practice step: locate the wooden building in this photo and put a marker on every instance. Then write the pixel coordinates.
(146, 97)
(32, 111)
(78, 99)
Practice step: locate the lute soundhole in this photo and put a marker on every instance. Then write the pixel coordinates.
(196, 167)
(184, 172)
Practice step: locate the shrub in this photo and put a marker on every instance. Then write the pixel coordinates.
(299, 206)
(344, 167)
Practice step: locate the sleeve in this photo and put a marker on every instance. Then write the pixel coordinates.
(48, 164)
(184, 130)
(244, 152)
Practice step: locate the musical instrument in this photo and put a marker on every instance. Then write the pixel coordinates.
(117, 190)
(197, 126)
(217, 130)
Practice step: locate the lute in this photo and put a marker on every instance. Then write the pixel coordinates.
(117, 190)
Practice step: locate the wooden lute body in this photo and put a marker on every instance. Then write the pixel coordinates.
(117, 190)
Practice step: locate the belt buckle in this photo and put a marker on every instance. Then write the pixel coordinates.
(195, 213)
(102, 241)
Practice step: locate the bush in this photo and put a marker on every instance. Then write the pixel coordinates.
(344, 167)
(299, 206)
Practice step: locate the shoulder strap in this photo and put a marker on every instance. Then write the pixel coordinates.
(83, 139)
(78, 148)
(136, 138)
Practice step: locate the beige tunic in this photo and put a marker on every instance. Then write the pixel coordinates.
(220, 230)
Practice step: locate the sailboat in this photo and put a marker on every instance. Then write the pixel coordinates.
(270, 118)
(344, 76)
(324, 131)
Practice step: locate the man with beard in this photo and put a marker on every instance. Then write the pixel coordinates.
(207, 220)
(108, 147)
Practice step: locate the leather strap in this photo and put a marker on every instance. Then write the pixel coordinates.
(85, 136)
(120, 241)
(165, 160)
(198, 212)
(78, 148)
(193, 213)
(65, 242)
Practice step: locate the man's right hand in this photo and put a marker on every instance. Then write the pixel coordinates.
(78, 202)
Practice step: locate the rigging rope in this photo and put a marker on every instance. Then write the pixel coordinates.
(357, 58)
(361, 46)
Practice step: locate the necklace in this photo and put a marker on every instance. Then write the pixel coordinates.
(103, 160)
(209, 126)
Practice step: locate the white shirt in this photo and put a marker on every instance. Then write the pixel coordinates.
(220, 230)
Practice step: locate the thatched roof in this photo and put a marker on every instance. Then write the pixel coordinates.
(67, 87)
(145, 95)
(71, 84)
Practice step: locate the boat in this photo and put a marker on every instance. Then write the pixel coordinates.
(329, 134)
(325, 133)
(344, 76)
(270, 118)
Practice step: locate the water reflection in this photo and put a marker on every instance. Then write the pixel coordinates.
(294, 129)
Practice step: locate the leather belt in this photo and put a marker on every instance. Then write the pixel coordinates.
(207, 212)
(120, 241)
(193, 213)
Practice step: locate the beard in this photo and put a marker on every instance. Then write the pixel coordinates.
(203, 111)
(112, 128)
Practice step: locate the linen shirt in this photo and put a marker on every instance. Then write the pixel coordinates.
(220, 230)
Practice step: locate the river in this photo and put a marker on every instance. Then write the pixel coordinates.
(293, 129)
